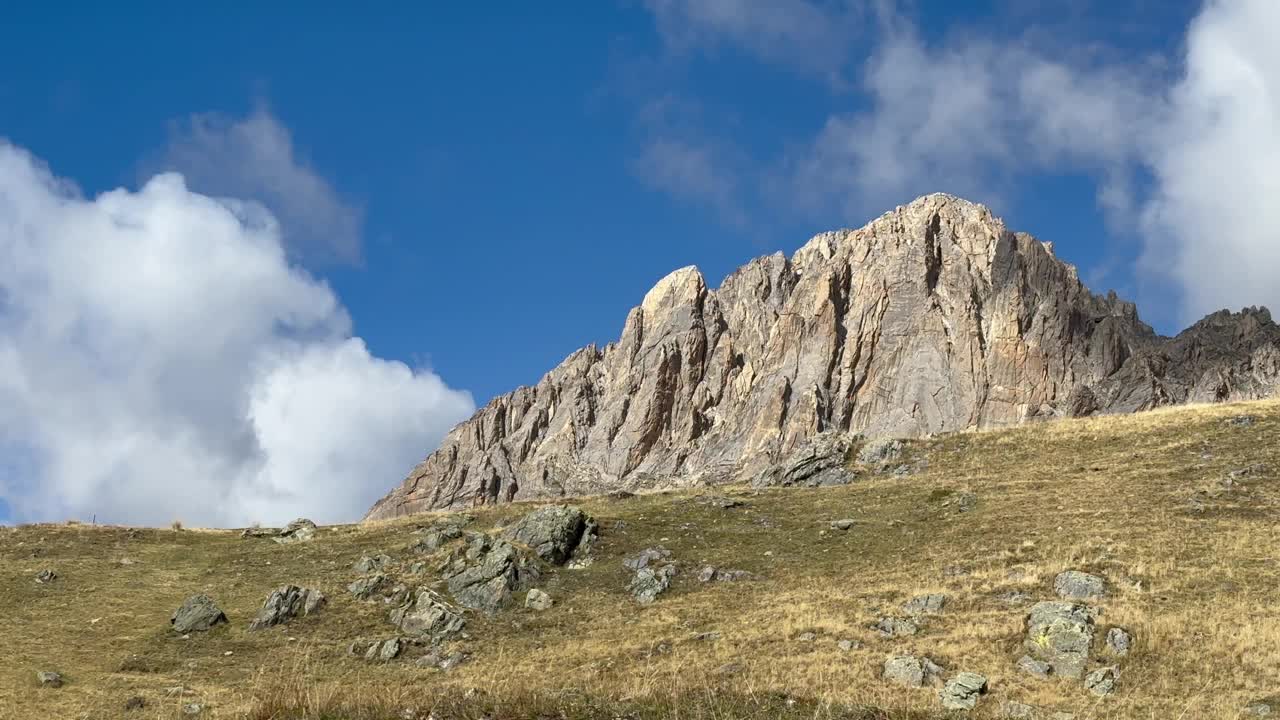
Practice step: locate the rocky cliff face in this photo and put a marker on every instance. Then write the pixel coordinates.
(932, 318)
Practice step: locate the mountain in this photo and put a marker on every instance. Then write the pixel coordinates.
(932, 318)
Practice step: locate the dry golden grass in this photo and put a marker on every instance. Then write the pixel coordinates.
(1107, 495)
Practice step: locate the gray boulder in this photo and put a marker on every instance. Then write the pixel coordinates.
(1261, 709)
(882, 451)
(436, 537)
(371, 587)
(1076, 585)
(843, 524)
(538, 600)
(820, 461)
(427, 615)
(46, 576)
(381, 650)
(895, 627)
(197, 614)
(925, 604)
(1060, 634)
(1013, 710)
(369, 564)
(300, 530)
(911, 671)
(1119, 641)
(1034, 667)
(715, 574)
(48, 678)
(286, 603)
(646, 556)
(493, 575)
(650, 582)
(961, 692)
(1102, 682)
(555, 532)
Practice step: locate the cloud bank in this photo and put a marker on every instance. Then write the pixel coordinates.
(1183, 149)
(161, 359)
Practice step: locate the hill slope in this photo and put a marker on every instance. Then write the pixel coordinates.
(1148, 502)
(932, 318)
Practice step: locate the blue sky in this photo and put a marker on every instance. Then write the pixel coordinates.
(487, 187)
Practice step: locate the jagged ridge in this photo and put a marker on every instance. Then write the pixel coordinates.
(932, 318)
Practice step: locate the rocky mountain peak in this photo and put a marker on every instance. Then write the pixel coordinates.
(933, 317)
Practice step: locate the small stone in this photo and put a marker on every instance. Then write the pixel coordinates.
(844, 524)
(1035, 667)
(648, 583)
(1102, 681)
(192, 709)
(1241, 420)
(46, 576)
(47, 678)
(925, 604)
(453, 661)
(643, 558)
(846, 645)
(911, 671)
(895, 627)
(538, 600)
(137, 702)
(807, 637)
(384, 651)
(961, 692)
(1076, 585)
(1119, 641)
(367, 564)
(1259, 709)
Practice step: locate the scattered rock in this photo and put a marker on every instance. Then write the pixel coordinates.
(48, 678)
(819, 461)
(453, 660)
(498, 570)
(961, 692)
(367, 564)
(1011, 710)
(46, 576)
(895, 627)
(644, 557)
(961, 501)
(286, 603)
(1013, 597)
(911, 671)
(720, 501)
(428, 615)
(300, 530)
(1260, 709)
(1102, 681)
(369, 587)
(1060, 634)
(880, 452)
(1076, 585)
(1242, 420)
(1034, 667)
(709, 636)
(538, 600)
(1119, 641)
(925, 604)
(649, 582)
(714, 574)
(555, 532)
(384, 650)
(197, 614)
(192, 709)
(848, 645)
(137, 702)
(844, 524)
(807, 637)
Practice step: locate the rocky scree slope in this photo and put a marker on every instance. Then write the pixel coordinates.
(932, 318)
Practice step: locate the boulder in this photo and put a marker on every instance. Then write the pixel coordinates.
(48, 678)
(538, 600)
(925, 604)
(436, 537)
(427, 615)
(1102, 682)
(46, 576)
(496, 571)
(384, 650)
(961, 692)
(1076, 585)
(1034, 667)
(198, 613)
(371, 587)
(1261, 709)
(1013, 710)
(820, 461)
(650, 582)
(646, 556)
(369, 564)
(911, 671)
(1060, 634)
(1119, 641)
(300, 530)
(555, 532)
(880, 452)
(286, 603)
(843, 524)
(715, 574)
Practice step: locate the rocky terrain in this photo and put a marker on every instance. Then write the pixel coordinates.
(932, 318)
(1121, 566)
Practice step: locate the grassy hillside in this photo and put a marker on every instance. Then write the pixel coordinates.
(1193, 566)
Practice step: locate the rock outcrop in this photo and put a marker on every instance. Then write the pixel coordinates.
(932, 318)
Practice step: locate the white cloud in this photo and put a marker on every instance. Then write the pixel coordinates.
(254, 159)
(692, 171)
(160, 359)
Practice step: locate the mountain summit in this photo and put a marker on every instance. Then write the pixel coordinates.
(932, 318)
